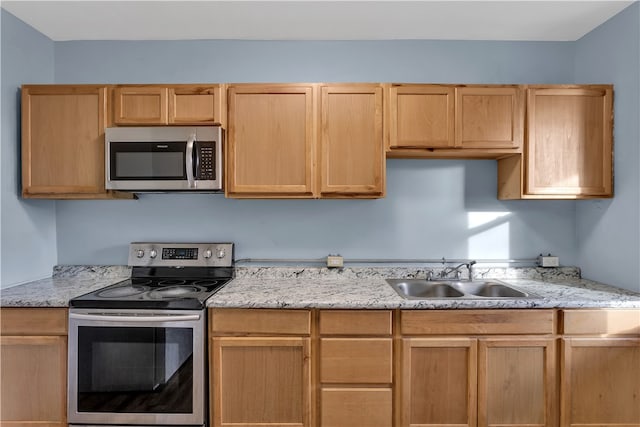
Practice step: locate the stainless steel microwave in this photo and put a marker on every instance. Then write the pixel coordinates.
(160, 159)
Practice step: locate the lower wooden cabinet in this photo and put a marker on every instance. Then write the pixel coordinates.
(33, 367)
(352, 406)
(517, 382)
(264, 377)
(261, 381)
(600, 368)
(472, 368)
(439, 378)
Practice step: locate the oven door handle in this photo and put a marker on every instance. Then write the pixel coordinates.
(136, 319)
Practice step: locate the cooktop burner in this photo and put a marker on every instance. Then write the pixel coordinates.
(166, 276)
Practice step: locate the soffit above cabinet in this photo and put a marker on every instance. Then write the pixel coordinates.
(315, 20)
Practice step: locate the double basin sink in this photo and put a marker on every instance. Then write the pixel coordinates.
(445, 289)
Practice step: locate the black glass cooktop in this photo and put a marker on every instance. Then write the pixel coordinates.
(159, 288)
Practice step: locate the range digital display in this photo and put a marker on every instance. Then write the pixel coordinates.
(180, 253)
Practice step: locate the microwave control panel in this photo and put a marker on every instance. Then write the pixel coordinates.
(206, 162)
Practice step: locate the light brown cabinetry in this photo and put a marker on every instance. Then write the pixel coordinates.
(270, 141)
(439, 120)
(260, 377)
(352, 160)
(305, 141)
(496, 372)
(569, 146)
(600, 368)
(33, 371)
(168, 105)
(355, 368)
(63, 141)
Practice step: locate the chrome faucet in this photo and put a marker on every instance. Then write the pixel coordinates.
(456, 270)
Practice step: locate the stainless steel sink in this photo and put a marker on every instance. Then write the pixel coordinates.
(444, 289)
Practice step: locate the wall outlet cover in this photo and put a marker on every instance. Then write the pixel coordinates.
(548, 261)
(335, 261)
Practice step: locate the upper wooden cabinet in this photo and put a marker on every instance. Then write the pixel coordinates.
(352, 160)
(270, 141)
(421, 116)
(168, 105)
(489, 117)
(305, 140)
(438, 120)
(569, 146)
(63, 141)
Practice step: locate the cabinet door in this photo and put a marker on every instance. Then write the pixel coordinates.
(569, 149)
(489, 117)
(144, 105)
(261, 382)
(516, 382)
(352, 152)
(439, 380)
(194, 105)
(63, 140)
(33, 372)
(600, 382)
(421, 116)
(351, 407)
(270, 141)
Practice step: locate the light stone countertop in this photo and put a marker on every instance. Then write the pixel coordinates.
(375, 293)
(358, 287)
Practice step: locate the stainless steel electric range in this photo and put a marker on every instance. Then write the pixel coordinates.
(137, 349)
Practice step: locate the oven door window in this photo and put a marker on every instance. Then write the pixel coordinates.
(135, 370)
(147, 160)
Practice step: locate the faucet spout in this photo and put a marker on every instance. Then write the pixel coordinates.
(456, 270)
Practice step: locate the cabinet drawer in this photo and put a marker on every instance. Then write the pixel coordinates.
(601, 322)
(33, 321)
(478, 322)
(257, 321)
(358, 322)
(365, 360)
(349, 407)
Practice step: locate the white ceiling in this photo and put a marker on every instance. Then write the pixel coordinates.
(315, 20)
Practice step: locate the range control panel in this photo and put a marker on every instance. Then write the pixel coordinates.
(148, 254)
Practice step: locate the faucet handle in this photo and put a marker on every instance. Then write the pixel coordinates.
(430, 275)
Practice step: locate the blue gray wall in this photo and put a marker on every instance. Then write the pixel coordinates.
(28, 227)
(433, 208)
(609, 230)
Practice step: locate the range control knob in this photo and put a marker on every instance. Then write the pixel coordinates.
(220, 253)
(140, 253)
(207, 254)
(153, 253)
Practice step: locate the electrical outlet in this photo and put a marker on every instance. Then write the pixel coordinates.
(335, 261)
(548, 261)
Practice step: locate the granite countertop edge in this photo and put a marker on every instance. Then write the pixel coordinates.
(307, 288)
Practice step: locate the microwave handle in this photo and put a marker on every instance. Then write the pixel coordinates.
(189, 159)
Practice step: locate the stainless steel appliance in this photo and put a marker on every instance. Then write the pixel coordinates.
(137, 349)
(163, 158)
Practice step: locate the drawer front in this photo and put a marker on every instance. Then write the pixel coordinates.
(258, 321)
(33, 321)
(364, 360)
(478, 322)
(349, 407)
(601, 322)
(355, 322)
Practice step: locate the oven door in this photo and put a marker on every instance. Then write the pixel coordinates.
(136, 367)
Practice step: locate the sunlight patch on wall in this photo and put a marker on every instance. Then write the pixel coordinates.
(489, 236)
